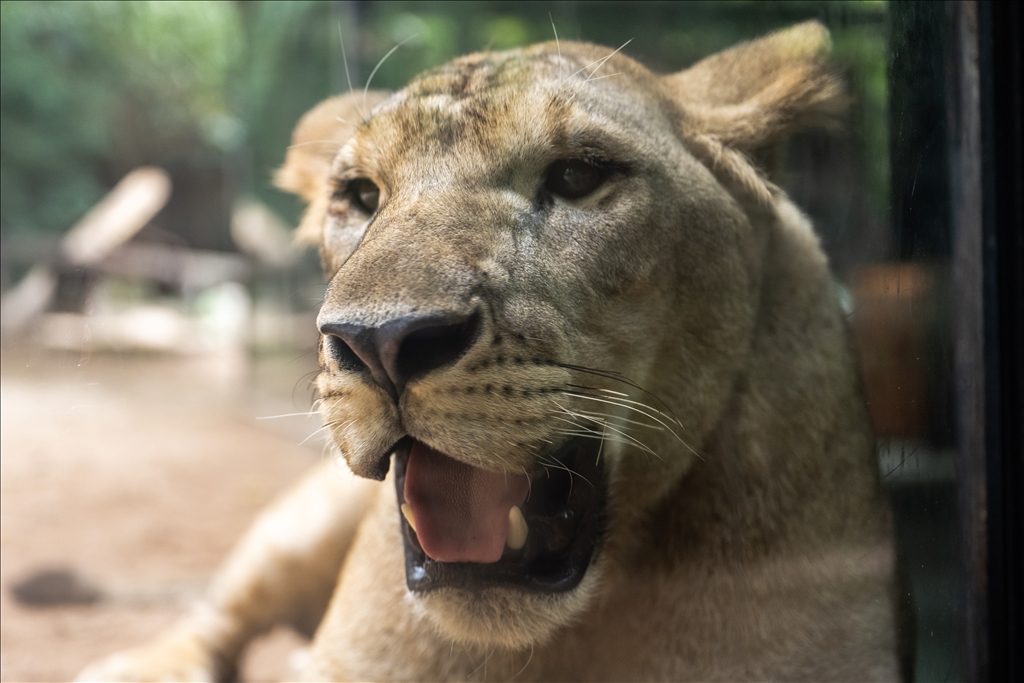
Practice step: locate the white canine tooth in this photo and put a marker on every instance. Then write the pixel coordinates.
(517, 529)
(407, 513)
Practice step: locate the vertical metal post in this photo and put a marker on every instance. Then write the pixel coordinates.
(964, 119)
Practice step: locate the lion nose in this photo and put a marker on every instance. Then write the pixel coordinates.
(401, 349)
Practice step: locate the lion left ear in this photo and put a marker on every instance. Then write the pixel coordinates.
(744, 101)
(320, 133)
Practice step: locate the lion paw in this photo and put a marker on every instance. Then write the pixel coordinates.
(177, 655)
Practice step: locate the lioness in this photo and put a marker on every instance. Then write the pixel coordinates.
(595, 357)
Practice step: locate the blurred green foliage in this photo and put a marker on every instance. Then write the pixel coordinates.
(89, 90)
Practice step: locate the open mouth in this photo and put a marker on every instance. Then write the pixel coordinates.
(469, 528)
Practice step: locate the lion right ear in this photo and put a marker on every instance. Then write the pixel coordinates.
(317, 138)
(740, 103)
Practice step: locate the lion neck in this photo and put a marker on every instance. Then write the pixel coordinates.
(789, 467)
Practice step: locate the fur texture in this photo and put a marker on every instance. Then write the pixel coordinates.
(747, 537)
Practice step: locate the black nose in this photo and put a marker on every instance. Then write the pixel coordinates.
(401, 349)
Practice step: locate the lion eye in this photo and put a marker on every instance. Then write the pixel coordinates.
(573, 178)
(365, 194)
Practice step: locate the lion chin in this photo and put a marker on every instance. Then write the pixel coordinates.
(503, 617)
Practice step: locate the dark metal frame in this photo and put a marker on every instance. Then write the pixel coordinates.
(984, 114)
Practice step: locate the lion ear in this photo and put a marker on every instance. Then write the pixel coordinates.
(317, 138)
(748, 98)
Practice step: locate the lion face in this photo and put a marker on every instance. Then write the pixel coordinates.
(542, 285)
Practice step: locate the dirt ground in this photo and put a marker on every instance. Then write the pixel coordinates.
(137, 473)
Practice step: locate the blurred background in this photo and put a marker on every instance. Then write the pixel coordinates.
(156, 315)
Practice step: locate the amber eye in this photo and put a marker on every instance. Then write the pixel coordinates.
(365, 195)
(573, 178)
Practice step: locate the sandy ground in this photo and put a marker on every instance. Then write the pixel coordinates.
(138, 473)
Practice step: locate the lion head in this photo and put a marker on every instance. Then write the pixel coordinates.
(546, 269)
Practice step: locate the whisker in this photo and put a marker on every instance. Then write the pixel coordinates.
(615, 400)
(330, 425)
(589, 413)
(483, 665)
(312, 435)
(315, 142)
(584, 430)
(636, 442)
(369, 80)
(344, 58)
(609, 374)
(670, 418)
(597, 78)
(590, 433)
(618, 377)
(335, 426)
(559, 46)
(621, 438)
(575, 432)
(610, 391)
(596, 420)
(530, 659)
(529, 481)
(311, 376)
(605, 60)
(621, 405)
(275, 417)
(599, 62)
(572, 473)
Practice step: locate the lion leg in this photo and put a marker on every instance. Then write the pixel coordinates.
(284, 570)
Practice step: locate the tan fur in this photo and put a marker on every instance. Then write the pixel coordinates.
(750, 542)
(318, 137)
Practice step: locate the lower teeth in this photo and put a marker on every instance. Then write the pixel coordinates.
(407, 513)
(517, 529)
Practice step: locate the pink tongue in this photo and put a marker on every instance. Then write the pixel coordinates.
(461, 511)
